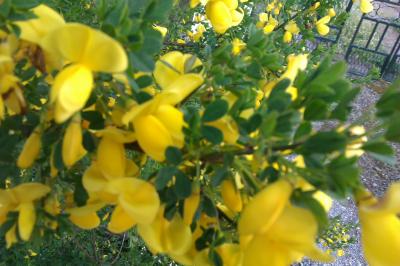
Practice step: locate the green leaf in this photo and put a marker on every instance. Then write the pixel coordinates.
(212, 134)
(316, 110)
(380, 150)
(164, 175)
(332, 74)
(219, 176)
(215, 258)
(209, 207)
(183, 186)
(95, 118)
(302, 131)
(215, 110)
(89, 142)
(142, 61)
(173, 155)
(57, 159)
(5, 8)
(393, 131)
(80, 194)
(144, 81)
(324, 142)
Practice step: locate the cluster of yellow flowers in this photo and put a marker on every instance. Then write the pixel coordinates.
(271, 229)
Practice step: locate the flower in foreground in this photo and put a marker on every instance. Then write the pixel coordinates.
(21, 199)
(87, 50)
(380, 227)
(274, 232)
(322, 27)
(223, 14)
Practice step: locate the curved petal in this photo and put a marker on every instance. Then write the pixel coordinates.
(180, 89)
(152, 234)
(231, 196)
(93, 180)
(35, 29)
(265, 208)
(30, 151)
(29, 192)
(138, 198)
(72, 148)
(168, 68)
(178, 236)
(26, 220)
(389, 204)
(120, 221)
(111, 158)
(231, 254)
(219, 15)
(153, 137)
(11, 236)
(228, 128)
(237, 17)
(173, 121)
(116, 134)
(87, 221)
(71, 89)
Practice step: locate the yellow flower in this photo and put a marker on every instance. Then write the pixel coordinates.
(354, 148)
(157, 123)
(88, 51)
(190, 206)
(85, 217)
(172, 237)
(332, 12)
(228, 127)
(365, 5)
(273, 232)
(271, 25)
(380, 227)
(237, 46)
(315, 6)
(160, 29)
(296, 63)
(136, 201)
(223, 14)
(263, 17)
(231, 196)
(322, 28)
(31, 150)
(21, 199)
(72, 148)
(291, 29)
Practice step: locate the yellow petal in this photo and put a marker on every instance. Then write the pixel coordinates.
(87, 221)
(78, 43)
(71, 89)
(93, 179)
(389, 204)
(190, 206)
(380, 237)
(153, 137)
(168, 68)
(231, 196)
(179, 90)
(30, 151)
(120, 221)
(173, 121)
(323, 29)
(11, 236)
(152, 233)
(237, 17)
(111, 157)
(231, 254)
(178, 236)
(138, 198)
(72, 149)
(219, 15)
(265, 208)
(35, 29)
(287, 37)
(26, 220)
(29, 192)
(228, 128)
(366, 6)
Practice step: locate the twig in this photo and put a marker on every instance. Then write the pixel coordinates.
(120, 250)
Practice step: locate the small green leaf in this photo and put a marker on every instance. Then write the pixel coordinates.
(324, 142)
(316, 110)
(212, 134)
(209, 207)
(164, 175)
(173, 155)
(183, 186)
(380, 150)
(215, 110)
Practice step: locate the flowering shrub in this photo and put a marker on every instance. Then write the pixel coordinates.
(222, 112)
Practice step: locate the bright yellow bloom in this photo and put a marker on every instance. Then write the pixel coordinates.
(365, 5)
(72, 148)
(162, 236)
(332, 12)
(238, 46)
(190, 206)
(315, 6)
(291, 29)
(157, 123)
(273, 232)
(296, 63)
(223, 14)
(231, 196)
(136, 200)
(160, 29)
(380, 227)
(31, 150)
(354, 148)
(263, 17)
(88, 51)
(271, 25)
(322, 28)
(85, 217)
(21, 199)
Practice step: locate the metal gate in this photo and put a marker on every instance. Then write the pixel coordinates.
(376, 41)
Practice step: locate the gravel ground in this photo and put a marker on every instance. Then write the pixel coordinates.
(376, 176)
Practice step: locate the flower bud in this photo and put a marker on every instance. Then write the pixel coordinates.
(30, 150)
(231, 196)
(72, 149)
(190, 207)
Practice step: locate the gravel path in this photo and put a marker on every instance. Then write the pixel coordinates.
(376, 176)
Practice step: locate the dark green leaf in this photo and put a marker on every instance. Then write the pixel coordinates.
(212, 134)
(215, 110)
(164, 175)
(381, 151)
(183, 186)
(173, 155)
